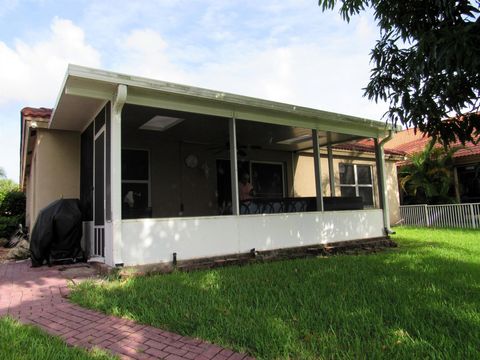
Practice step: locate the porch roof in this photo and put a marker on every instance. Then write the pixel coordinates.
(85, 91)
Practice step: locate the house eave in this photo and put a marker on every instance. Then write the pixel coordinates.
(89, 88)
(27, 143)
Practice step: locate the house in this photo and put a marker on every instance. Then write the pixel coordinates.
(466, 162)
(157, 165)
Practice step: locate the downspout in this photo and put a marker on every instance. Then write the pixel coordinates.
(318, 170)
(383, 185)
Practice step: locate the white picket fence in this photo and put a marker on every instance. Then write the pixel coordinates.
(448, 215)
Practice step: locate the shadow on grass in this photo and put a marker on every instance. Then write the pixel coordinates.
(421, 301)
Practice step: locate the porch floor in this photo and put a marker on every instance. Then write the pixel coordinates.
(38, 296)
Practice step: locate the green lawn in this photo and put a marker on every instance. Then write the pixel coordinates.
(19, 342)
(421, 300)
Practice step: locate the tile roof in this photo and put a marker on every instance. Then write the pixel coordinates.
(37, 112)
(411, 142)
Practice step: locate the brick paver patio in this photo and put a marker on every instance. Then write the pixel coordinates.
(38, 296)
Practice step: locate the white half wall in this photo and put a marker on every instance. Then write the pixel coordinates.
(148, 241)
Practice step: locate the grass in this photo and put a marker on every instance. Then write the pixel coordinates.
(18, 342)
(421, 300)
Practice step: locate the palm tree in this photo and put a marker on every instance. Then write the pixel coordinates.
(427, 178)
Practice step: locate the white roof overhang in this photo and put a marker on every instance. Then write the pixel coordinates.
(85, 91)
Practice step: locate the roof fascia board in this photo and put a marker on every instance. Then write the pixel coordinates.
(307, 122)
(174, 103)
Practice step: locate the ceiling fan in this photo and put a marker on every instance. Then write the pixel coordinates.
(241, 148)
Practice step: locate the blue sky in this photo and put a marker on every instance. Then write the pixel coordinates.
(284, 50)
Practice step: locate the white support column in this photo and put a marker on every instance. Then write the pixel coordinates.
(233, 165)
(113, 251)
(378, 174)
(382, 184)
(331, 171)
(318, 170)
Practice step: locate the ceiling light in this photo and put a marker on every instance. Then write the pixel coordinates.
(160, 123)
(295, 140)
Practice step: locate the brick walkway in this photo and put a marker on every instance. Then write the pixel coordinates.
(38, 296)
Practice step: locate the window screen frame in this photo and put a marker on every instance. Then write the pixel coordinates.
(356, 185)
(269, 163)
(148, 181)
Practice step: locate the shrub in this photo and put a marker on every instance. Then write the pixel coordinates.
(7, 186)
(9, 224)
(12, 207)
(13, 204)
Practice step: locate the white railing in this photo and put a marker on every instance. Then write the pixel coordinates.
(448, 215)
(98, 244)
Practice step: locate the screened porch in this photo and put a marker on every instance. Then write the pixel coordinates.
(178, 164)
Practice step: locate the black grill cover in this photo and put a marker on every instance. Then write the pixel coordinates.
(57, 232)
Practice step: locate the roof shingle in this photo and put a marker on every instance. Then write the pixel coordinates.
(411, 142)
(37, 112)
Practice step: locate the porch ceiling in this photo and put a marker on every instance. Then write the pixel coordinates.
(86, 90)
(213, 131)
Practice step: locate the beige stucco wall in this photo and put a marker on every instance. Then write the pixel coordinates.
(55, 170)
(392, 191)
(304, 181)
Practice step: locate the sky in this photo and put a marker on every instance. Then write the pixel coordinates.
(284, 50)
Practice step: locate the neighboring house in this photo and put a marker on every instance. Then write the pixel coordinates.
(151, 163)
(466, 162)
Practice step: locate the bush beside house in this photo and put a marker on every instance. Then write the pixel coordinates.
(12, 207)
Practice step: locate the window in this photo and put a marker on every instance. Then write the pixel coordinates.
(469, 183)
(135, 184)
(356, 180)
(267, 179)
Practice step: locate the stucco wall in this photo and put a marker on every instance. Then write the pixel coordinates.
(55, 170)
(148, 241)
(392, 191)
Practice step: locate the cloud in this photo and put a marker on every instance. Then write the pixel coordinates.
(32, 73)
(318, 75)
(285, 51)
(144, 52)
(298, 74)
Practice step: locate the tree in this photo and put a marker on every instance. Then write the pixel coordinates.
(7, 186)
(426, 64)
(3, 175)
(13, 204)
(427, 178)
